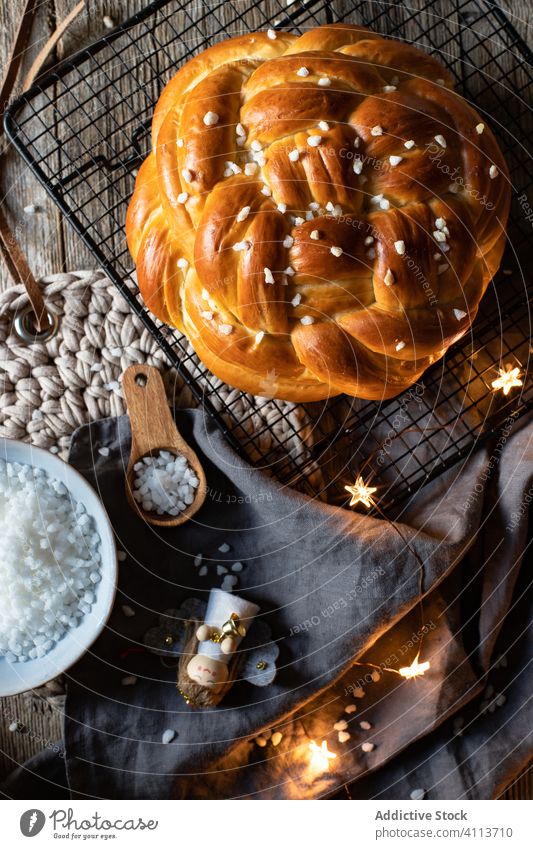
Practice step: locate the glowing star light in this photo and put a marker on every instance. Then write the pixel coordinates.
(507, 378)
(320, 756)
(415, 669)
(361, 492)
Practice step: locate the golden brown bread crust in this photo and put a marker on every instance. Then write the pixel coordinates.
(271, 225)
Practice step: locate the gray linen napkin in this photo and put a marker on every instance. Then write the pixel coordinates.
(332, 584)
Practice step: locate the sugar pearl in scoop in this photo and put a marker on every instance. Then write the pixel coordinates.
(164, 483)
(50, 562)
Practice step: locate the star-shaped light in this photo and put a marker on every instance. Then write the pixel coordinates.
(320, 756)
(507, 378)
(415, 669)
(361, 492)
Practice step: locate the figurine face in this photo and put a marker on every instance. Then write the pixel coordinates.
(207, 672)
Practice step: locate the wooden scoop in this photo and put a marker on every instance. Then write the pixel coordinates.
(153, 430)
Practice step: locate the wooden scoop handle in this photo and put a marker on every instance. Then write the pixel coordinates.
(152, 425)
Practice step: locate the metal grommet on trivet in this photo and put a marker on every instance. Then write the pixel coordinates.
(24, 327)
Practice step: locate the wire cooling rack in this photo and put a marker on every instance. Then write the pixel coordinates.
(84, 129)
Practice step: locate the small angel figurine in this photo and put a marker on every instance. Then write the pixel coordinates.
(207, 667)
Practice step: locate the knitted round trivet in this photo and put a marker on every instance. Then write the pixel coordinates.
(48, 389)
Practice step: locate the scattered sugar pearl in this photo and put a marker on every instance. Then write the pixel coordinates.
(389, 278)
(282, 207)
(371, 254)
(409, 144)
(244, 213)
(198, 559)
(314, 141)
(307, 319)
(168, 736)
(128, 611)
(210, 119)
(239, 129)
(129, 680)
(208, 315)
(240, 246)
(336, 250)
(31, 209)
(440, 140)
(261, 742)
(418, 794)
(183, 263)
(376, 131)
(493, 172)
(288, 242)
(251, 168)
(269, 277)
(384, 203)
(237, 567)
(389, 88)
(226, 329)
(108, 22)
(165, 483)
(315, 235)
(368, 747)
(359, 693)
(395, 160)
(323, 125)
(224, 548)
(369, 240)
(366, 726)
(459, 314)
(400, 346)
(294, 155)
(296, 300)
(302, 72)
(229, 582)
(343, 736)
(480, 128)
(13, 726)
(357, 165)
(375, 676)
(104, 451)
(350, 709)
(399, 247)
(180, 142)
(271, 34)
(221, 570)
(439, 236)
(183, 197)
(202, 571)
(342, 725)
(324, 82)
(289, 271)
(259, 337)
(276, 738)
(187, 174)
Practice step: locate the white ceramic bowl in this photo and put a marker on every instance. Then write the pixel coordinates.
(17, 677)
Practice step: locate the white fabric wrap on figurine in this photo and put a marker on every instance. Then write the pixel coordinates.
(219, 609)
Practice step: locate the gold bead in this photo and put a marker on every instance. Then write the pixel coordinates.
(169, 639)
(261, 665)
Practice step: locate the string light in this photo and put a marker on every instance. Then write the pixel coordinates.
(415, 670)
(320, 756)
(507, 378)
(360, 491)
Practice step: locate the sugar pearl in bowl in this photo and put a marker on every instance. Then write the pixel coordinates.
(58, 568)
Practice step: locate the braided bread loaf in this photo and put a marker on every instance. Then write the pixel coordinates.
(319, 214)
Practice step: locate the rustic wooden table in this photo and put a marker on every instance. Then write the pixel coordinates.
(51, 246)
